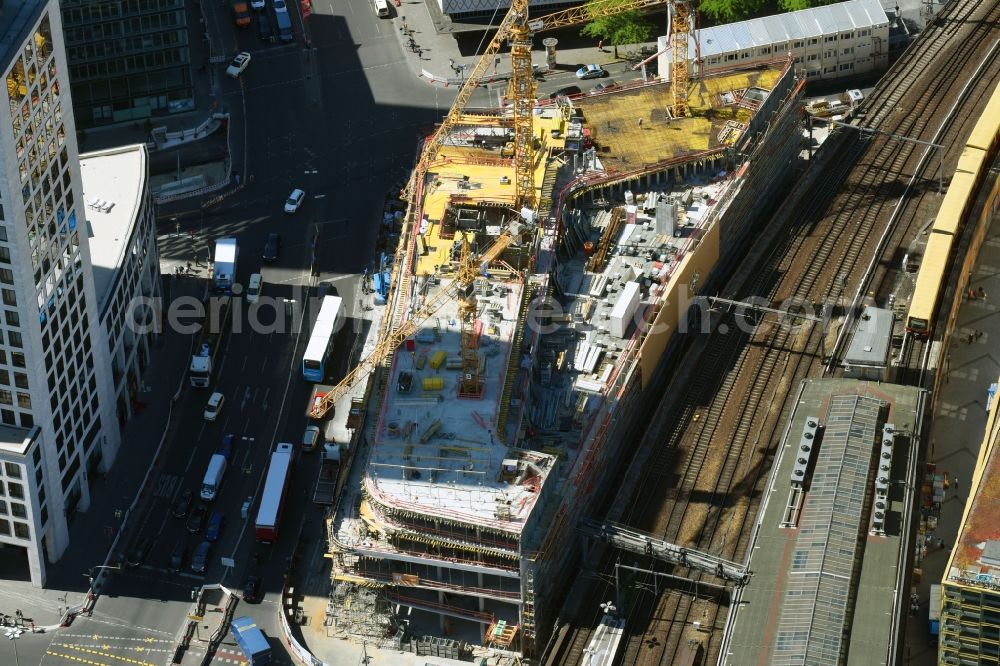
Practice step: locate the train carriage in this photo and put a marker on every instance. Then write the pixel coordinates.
(929, 278)
(952, 211)
(984, 135)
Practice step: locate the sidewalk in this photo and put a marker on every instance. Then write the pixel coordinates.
(957, 430)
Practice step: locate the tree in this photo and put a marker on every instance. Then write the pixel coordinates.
(625, 28)
(727, 11)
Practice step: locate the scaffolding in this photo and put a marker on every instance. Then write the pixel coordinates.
(359, 609)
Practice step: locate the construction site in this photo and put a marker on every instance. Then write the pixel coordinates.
(548, 258)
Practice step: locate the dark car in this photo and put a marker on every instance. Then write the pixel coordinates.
(251, 590)
(264, 31)
(197, 519)
(182, 504)
(139, 553)
(199, 562)
(226, 448)
(568, 91)
(272, 247)
(178, 557)
(215, 525)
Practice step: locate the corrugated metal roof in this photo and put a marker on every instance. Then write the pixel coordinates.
(851, 15)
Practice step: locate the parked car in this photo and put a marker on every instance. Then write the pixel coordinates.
(279, 6)
(182, 504)
(199, 562)
(178, 557)
(568, 91)
(238, 64)
(139, 553)
(213, 406)
(264, 30)
(591, 72)
(310, 437)
(272, 246)
(258, 4)
(215, 525)
(294, 200)
(603, 86)
(251, 590)
(197, 519)
(226, 447)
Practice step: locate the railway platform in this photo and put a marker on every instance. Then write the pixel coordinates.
(970, 366)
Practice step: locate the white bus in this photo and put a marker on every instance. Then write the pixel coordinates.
(314, 361)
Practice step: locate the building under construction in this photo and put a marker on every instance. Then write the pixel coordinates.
(537, 335)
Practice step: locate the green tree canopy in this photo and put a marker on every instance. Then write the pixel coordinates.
(625, 28)
(727, 11)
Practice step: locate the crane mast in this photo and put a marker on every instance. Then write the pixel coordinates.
(680, 17)
(522, 91)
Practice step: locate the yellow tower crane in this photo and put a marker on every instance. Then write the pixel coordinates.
(469, 267)
(516, 27)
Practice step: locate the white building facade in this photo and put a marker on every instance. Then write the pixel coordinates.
(121, 219)
(54, 366)
(844, 39)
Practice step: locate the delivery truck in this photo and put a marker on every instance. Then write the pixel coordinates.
(251, 641)
(226, 253)
(212, 482)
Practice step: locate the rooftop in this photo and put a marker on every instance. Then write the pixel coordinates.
(807, 557)
(17, 440)
(17, 18)
(974, 559)
(870, 342)
(721, 106)
(116, 179)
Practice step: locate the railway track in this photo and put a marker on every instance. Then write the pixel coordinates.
(717, 447)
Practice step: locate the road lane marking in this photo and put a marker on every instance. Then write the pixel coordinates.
(97, 637)
(96, 653)
(191, 459)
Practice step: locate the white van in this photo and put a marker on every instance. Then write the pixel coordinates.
(382, 8)
(253, 289)
(212, 482)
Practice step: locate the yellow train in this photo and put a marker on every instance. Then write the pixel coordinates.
(973, 166)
